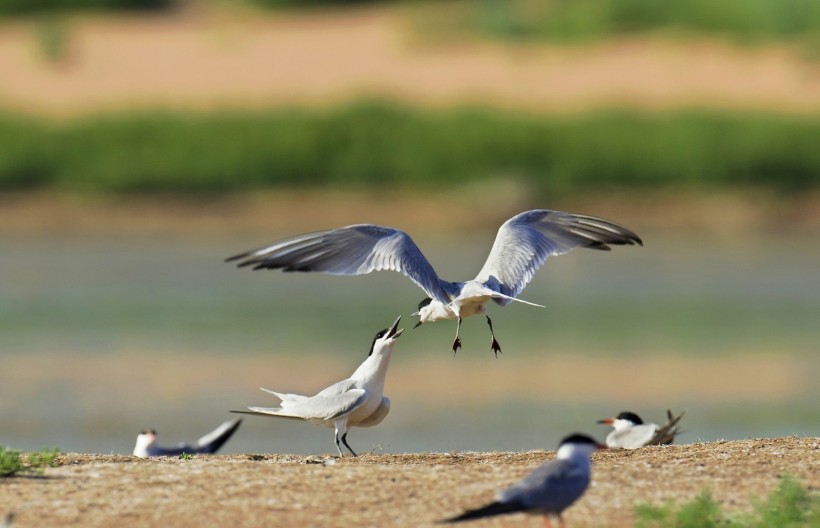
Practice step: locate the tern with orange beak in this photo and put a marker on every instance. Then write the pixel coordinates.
(629, 431)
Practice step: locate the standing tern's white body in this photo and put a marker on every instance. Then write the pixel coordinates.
(629, 431)
(146, 445)
(550, 489)
(522, 245)
(357, 401)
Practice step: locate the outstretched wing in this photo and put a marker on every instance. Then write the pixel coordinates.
(526, 240)
(351, 250)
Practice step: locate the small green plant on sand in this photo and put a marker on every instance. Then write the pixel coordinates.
(186, 456)
(12, 463)
(788, 506)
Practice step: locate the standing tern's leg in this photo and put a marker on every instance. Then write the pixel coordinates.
(495, 346)
(336, 439)
(547, 523)
(341, 427)
(457, 341)
(344, 441)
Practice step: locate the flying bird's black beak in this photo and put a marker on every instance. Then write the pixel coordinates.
(417, 325)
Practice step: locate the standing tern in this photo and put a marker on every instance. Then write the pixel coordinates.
(631, 433)
(147, 442)
(550, 489)
(357, 401)
(521, 246)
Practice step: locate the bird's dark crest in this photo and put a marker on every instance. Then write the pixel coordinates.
(631, 416)
(578, 438)
(380, 334)
(424, 302)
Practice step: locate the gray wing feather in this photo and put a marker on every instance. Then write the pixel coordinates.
(552, 487)
(214, 440)
(525, 241)
(351, 250)
(323, 406)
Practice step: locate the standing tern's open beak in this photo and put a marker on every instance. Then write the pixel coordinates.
(392, 332)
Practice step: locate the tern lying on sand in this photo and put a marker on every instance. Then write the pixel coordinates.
(631, 433)
(550, 489)
(357, 401)
(147, 442)
(522, 245)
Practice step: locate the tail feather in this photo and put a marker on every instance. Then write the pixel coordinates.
(490, 510)
(276, 412)
(666, 434)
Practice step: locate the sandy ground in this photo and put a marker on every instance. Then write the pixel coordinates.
(236, 58)
(387, 490)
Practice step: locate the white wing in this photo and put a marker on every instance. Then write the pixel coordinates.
(632, 438)
(526, 240)
(351, 250)
(317, 407)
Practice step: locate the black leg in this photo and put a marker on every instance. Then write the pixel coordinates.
(495, 346)
(457, 341)
(336, 439)
(344, 441)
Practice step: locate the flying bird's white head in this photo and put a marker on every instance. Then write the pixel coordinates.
(145, 440)
(430, 310)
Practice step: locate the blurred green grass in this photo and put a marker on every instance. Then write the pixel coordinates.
(376, 143)
(583, 20)
(26, 7)
(568, 21)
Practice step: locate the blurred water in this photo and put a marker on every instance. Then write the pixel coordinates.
(81, 296)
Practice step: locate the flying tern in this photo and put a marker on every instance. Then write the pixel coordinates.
(550, 489)
(357, 401)
(522, 245)
(631, 433)
(147, 442)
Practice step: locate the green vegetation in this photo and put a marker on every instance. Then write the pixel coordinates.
(555, 20)
(11, 463)
(186, 456)
(384, 144)
(580, 20)
(788, 506)
(26, 7)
